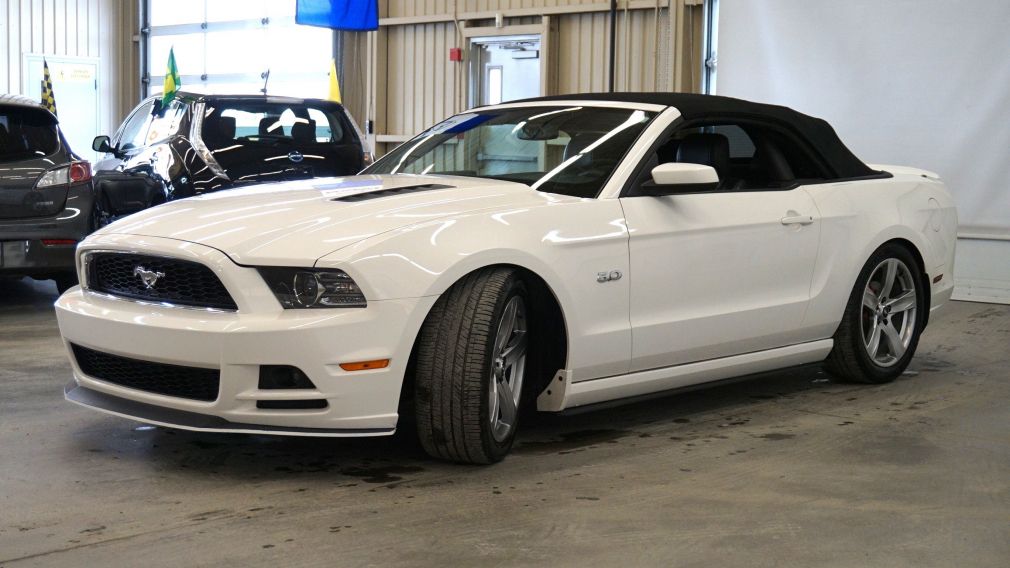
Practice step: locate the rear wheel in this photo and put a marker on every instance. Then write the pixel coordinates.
(883, 319)
(471, 366)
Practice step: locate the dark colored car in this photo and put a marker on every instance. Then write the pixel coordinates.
(46, 195)
(203, 143)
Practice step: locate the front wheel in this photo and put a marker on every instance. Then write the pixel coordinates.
(883, 319)
(471, 365)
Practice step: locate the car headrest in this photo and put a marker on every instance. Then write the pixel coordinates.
(227, 127)
(770, 160)
(265, 124)
(304, 130)
(706, 149)
(578, 144)
(218, 129)
(668, 151)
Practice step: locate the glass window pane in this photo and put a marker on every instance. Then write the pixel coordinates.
(189, 49)
(173, 12)
(299, 48)
(494, 85)
(298, 57)
(240, 51)
(225, 10)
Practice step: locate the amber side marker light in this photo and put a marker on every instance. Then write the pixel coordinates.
(365, 365)
(937, 279)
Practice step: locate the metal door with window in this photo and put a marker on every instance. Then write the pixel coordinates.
(504, 69)
(75, 85)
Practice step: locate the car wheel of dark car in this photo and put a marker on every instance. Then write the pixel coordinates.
(65, 281)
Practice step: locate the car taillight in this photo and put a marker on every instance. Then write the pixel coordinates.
(80, 171)
(65, 175)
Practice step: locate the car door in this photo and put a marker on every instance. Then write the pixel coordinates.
(719, 273)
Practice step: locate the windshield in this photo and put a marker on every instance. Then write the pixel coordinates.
(227, 123)
(26, 133)
(566, 150)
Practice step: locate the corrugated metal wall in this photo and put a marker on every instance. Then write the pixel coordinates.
(75, 28)
(401, 77)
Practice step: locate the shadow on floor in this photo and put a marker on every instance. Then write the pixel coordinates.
(396, 460)
(19, 294)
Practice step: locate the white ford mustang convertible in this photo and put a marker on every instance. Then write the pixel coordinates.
(550, 254)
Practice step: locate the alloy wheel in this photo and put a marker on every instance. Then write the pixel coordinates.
(888, 312)
(508, 364)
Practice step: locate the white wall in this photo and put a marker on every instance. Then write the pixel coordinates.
(924, 83)
(99, 30)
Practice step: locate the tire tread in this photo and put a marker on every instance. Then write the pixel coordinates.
(452, 361)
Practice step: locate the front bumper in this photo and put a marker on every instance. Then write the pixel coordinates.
(237, 344)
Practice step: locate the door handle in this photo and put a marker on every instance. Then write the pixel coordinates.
(797, 220)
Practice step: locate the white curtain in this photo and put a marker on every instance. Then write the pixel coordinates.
(923, 83)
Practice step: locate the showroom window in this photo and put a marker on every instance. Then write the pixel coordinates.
(228, 47)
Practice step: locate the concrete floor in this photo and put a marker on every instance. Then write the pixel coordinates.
(789, 470)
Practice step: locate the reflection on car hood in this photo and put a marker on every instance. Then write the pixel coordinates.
(302, 221)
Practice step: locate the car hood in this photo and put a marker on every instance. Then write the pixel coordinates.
(302, 221)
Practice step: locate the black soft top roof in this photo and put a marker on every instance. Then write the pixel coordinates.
(815, 131)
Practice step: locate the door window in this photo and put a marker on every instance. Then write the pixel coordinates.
(747, 156)
(144, 128)
(134, 132)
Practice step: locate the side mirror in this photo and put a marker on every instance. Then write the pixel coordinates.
(677, 177)
(101, 144)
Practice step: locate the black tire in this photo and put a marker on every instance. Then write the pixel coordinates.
(850, 359)
(65, 281)
(452, 382)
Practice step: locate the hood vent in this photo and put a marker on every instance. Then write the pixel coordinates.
(403, 190)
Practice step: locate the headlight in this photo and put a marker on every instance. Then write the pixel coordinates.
(313, 288)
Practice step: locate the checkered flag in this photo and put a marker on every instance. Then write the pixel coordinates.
(48, 98)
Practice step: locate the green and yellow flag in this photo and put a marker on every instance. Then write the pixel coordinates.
(48, 98)
(334, 83)
(172, 80)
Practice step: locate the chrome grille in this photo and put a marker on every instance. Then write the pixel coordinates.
(157, 279)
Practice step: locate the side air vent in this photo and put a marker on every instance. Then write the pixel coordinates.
(391, 192)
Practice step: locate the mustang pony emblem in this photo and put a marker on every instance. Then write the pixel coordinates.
(147, 277)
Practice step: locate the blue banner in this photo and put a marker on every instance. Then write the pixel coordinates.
(346, 15)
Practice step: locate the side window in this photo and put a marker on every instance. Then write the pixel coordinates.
(166, 123)
(134, 132)
(741, 147)
(745, 155)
